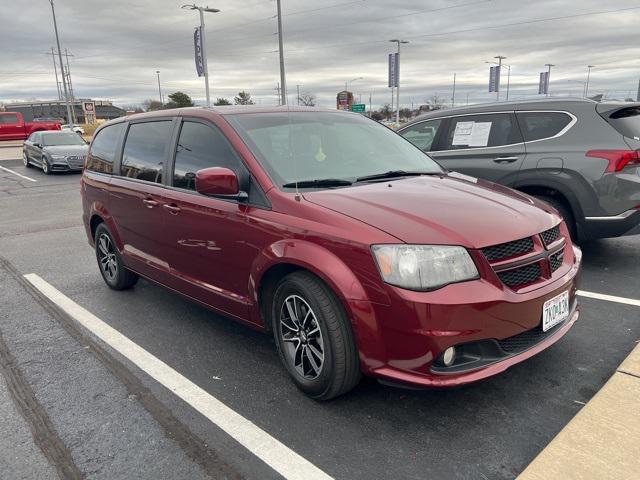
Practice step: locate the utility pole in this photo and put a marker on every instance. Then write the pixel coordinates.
(70, 85)
(586, 87)
(500, 58)
(55, 71)
(398, 42)
(159, 89)
(64, 83)
(549, 65)
(277, 89)
(298, 93)
(453, 97)
(638, 96)
(371, 109)
(283, 83)
(204, 44)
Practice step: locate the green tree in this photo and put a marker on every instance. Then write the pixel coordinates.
(222, 101)
(179, 100)
(243, 98)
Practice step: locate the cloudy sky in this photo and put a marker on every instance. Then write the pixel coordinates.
(119, 44)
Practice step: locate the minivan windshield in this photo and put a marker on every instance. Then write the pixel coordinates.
(62, 138)
(324, 149)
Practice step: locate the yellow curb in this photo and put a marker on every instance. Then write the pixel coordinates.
(603, 440)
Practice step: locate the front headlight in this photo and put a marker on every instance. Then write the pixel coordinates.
(58, 157)
(424, 267)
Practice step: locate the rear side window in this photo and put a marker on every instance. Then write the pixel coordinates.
(145, 150)
(478, 131)
(200, 146)
(422, 134)
(539, 125)
(626, 122)
(9, 118)
(103, 149)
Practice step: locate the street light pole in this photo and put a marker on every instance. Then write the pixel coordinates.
(283, 84)
(548, 75)
(64, 82)
(500, 58)
(398, 42)
(159, 89)
(586, 88)
(204, 44)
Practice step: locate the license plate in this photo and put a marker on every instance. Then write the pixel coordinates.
(555, 311)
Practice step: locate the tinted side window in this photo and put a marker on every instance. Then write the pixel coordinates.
(200, 146)
(9, 118)
(477, 131)
(538, 125)
(422, 134)
(145, 150)
(103, 149)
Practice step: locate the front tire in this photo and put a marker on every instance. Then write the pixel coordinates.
(113, 271)
(314, 337)
(45, 166)
(25, 160)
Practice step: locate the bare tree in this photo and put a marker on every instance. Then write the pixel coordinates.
(151, 105)
(307, 99)
(386, 111)
(435, 102)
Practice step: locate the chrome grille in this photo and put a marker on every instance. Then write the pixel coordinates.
(508, 250)
(521, 276)
(551, 235)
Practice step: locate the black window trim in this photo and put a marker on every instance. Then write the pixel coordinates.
(117, 162)
(437, 139)
(168, 182)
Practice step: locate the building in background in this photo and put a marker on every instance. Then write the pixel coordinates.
(104, 110)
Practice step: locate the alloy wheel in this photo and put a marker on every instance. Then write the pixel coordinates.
(107, 257)
(301, 336)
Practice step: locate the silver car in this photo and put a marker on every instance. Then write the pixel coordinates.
(55, 151)
(580, 156)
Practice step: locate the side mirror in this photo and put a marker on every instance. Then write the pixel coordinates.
(37, 145)
(217, 181)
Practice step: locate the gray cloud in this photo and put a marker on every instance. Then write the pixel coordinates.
(118, 46)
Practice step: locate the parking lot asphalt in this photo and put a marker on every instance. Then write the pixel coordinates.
(491, 430)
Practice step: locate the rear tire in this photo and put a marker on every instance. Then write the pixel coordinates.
(564, 211)
(113, 271)
(314, 337)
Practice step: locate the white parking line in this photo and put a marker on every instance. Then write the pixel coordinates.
(278, 456)
(18, 174)
(610, 298)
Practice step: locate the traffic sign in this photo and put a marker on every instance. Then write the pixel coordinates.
(358, 107)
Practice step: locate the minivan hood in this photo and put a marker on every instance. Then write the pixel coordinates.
(451, 209)
(68, 149)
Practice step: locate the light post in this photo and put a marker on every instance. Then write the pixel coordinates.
(549, 65)
(586, 88)
(398, 42)
(508, 75)
(283, 84)
(204, 44)
(159, 89)
(64, 82)
(584, 84)
(347, 83)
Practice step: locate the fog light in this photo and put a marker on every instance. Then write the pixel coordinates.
(449, 356)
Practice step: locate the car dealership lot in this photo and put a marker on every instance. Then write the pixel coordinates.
(108, 413)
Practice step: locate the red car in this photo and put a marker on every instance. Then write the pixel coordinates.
(13, 126)
(353, 247)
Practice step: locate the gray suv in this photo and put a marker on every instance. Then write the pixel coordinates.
(580, 156)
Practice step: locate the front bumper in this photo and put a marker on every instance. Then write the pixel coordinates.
(62, 166)
(417, 327)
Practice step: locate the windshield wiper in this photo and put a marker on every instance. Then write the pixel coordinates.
(320, 182)
(393, 174)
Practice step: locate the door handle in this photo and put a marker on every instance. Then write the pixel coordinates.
(172, 208)
(505, 159)
(150, 203)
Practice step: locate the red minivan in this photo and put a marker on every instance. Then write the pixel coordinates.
(353, 247)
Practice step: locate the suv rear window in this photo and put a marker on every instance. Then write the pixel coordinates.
(103, 149)
(145, 150)
(539, 125)
(626, 121)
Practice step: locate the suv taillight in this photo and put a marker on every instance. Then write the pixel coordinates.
(618, 159)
